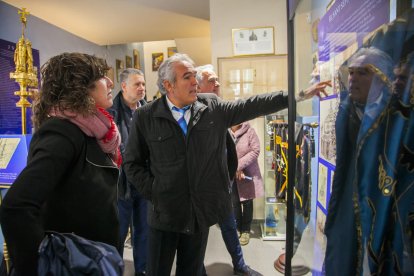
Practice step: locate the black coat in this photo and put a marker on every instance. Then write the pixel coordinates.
(68, 185)
(186, 178)
(123, 122)
(232, 160)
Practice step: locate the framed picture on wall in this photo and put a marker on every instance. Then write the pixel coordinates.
(128, 62)
(119, 67)
(110, 74)
(253, 41)
(136, 59)
(157, 59)
(171, 51)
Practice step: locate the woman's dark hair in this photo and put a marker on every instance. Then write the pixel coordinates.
(66, 81)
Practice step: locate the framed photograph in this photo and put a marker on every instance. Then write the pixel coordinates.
(328, 110)
(137, 64)
(128, 62)
(110, 74)
(119, 67)
(315, 30)
(253, 41)
(322, 185)
(320, 226)
(330, 4)
(171, 51)
(157, 59)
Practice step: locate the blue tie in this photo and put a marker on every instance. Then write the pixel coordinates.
(181, 122)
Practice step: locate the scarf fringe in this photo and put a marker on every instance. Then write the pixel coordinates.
(112, 131)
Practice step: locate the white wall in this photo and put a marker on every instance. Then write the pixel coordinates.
(151, 76)
(48, 39)
(234, 14)
(303, 53)
(51, 40)
(198, 48)
(119, 51)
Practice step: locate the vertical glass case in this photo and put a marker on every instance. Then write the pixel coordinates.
(275, 178)
(364, 142)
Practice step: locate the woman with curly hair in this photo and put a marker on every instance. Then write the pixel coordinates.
(70, 182)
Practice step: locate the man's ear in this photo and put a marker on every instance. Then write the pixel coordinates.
(168, 86)
(123, 85)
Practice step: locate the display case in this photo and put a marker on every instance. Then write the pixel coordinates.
(275, 169)
(380, 45)
(242, 77)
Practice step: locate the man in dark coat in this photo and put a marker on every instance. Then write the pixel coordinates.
(131, 206)
(174, 157)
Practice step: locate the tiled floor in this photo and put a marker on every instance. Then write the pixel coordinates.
(258, 254)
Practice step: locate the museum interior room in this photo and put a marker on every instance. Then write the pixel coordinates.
(337, 168)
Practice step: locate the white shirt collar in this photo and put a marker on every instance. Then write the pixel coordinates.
(177, 115)
(170, 104)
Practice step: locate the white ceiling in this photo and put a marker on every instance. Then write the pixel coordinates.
(107, 22)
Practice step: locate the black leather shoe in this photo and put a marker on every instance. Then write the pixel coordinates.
(247, 271)
(140, 273)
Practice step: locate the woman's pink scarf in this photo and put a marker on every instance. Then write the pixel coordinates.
(99, 125)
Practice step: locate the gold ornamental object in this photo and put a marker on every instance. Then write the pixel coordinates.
(25, 74)
(6, 258)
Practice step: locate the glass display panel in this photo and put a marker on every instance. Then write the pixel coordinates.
(360, 192)
(248, 76)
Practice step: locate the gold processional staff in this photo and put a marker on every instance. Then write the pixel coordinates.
(25, 74)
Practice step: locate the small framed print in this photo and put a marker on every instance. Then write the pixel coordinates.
(171, 51)
(137, 64)
(110, 74)
(157, 59)
(119, 67)
(128, 62)
(253, 41)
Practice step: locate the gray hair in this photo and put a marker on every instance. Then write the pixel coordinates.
(166, 70)
(201, 69)
(374, 56)
(380, 64)
(123, 77)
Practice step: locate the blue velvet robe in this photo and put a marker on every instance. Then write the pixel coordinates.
(371, 211)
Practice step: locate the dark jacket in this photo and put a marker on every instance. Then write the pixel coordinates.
(232, 160)
(122, 116)
(68, 185)
(186, 178)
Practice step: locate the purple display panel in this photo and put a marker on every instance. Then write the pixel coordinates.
(10, 115)
(13, 157)
(348, 22)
